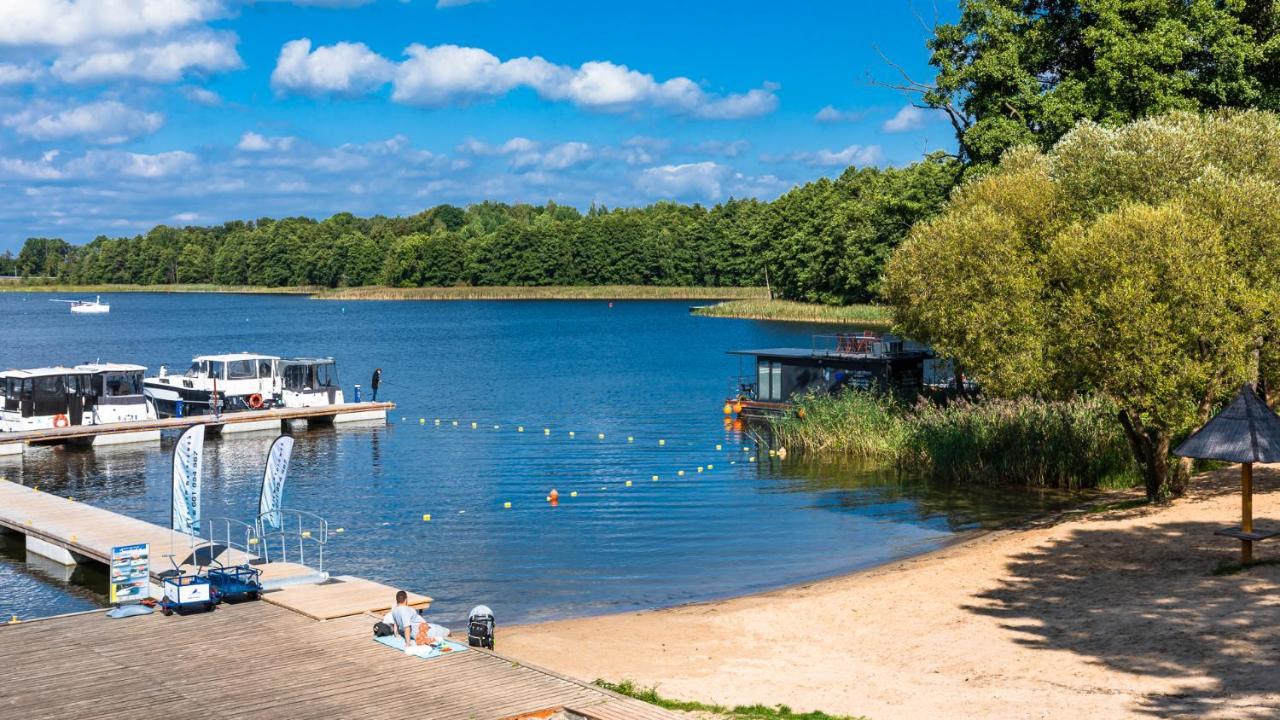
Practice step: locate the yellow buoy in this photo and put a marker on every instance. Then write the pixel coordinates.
(506, 505)
(14, 620)
(422, 421)
(717, 446)
(426, 517)
(630, 439)
(495, 427)
(655, 478)
(699, 468)
(728, 409)
(437, 421)
(751, 459)
(601, 436)
(662, 442)
(571, 433)
(340, 530)
(455, 423)
(253, 541)
(573, 494)
(628, 483)
(711, 467)
(546, 431)
(474, 425)
(680, 473)
(772, 452)
(520, 428)
(306, 533)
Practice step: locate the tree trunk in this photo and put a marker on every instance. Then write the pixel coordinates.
(1150, 447)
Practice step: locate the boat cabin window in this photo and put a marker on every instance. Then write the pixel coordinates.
(310, 376)
(199, 369)
(769, 380)
(12, 390)
(48, 394)
(242, 370)
(264, 368)
(121, 384)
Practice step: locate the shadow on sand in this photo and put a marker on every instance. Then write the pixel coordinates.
(1145, 600)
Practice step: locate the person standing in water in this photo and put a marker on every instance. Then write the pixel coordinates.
(375, 382)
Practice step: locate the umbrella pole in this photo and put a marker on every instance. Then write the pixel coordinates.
(1246, 511)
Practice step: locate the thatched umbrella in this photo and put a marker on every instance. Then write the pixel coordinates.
(1245, 432)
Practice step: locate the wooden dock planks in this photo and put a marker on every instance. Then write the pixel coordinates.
(340, 598)
(257, 660)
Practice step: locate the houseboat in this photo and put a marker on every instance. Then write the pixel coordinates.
(776, 377)
(94, 394)
(215, 384)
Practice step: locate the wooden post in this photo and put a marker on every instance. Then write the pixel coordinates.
(1246, 511)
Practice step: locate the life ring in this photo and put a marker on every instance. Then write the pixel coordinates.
(255, 401)
(60, 421)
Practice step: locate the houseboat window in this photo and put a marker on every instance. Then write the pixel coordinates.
(769, 380)
(242, 370)
(49, 395)
(11, 394)
(264, 369)
(120, 384)
(326, 375)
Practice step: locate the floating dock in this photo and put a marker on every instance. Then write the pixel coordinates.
(305, 650)
(149, 430)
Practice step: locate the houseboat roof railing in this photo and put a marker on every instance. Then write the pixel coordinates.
(859, 345)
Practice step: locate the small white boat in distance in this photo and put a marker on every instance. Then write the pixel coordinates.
(88, 307)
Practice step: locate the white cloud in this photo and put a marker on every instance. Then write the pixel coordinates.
(203, 96)
(106, 122)
(830, 114)
(860, 155)
(42, 169)
(129, 164)
(18, 74)
(701, 180)
(186, 218)
(162, 62)
(73, 22)
(341, 69)
(253, 142)
(908, 118)
(453, 75)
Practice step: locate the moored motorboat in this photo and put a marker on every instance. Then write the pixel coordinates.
(88, 307)
(216, 384)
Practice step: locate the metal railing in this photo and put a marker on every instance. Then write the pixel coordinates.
(298, 531)
(863, 343)
(235, 535)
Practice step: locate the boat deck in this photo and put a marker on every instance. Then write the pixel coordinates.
(255, 660)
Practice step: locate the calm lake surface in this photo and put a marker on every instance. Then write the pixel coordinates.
(647, 370)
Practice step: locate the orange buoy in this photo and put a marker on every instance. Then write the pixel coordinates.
(553, 497)
(255, 401)
(737, 407)
(728, 408)
(60, 421)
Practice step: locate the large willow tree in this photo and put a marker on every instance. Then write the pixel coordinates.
(1141, 263)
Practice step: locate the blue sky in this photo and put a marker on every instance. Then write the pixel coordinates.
(117, 115)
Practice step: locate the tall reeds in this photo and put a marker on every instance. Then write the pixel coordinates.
(789, 311)
(1068, 444)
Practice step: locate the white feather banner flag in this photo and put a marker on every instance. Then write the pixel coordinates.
(188, 455)
(269, 503)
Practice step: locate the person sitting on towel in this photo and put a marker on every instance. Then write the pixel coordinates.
(410, 625)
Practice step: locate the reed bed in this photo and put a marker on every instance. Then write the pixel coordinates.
(549, 292)
(790, 311)
(1072, 444)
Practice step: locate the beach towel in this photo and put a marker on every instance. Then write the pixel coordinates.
(422, 651)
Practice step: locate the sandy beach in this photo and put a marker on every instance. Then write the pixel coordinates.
(1111, 614)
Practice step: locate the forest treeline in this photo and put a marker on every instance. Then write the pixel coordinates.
(824, 241)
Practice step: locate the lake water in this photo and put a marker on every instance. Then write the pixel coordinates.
(647, 370)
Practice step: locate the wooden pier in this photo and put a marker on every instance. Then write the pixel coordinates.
(255, 660)
(306, 650)
(227, 422)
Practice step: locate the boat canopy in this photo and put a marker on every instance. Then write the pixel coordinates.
(115, 379)
(235, 366)
(309, 373)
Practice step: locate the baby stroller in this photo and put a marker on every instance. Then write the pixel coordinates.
(480, 627)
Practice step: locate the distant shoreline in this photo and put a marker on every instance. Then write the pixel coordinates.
(497, 292)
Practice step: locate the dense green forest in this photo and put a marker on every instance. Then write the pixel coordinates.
(825, 241)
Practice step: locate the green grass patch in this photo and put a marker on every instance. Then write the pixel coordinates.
(789, 311)
(1071, 444)
(740, 712)
(549, 292)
